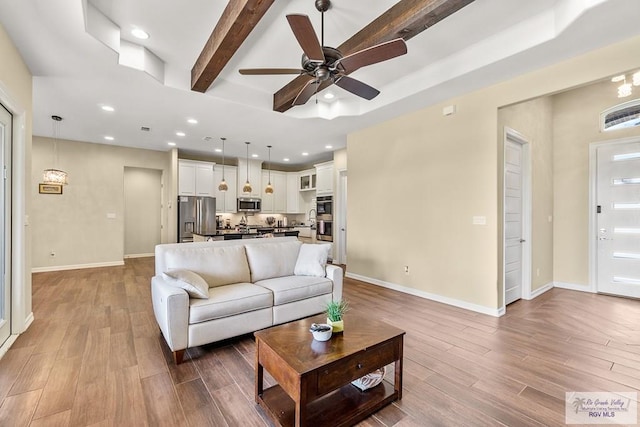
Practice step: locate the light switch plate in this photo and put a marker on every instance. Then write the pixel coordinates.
(479, 220)
(111, 215)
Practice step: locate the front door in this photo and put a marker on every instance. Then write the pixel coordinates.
(618, 220)
(5, 224)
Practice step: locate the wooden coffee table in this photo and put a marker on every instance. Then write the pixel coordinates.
(314, 377)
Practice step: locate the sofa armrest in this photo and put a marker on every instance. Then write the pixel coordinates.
(335, 274)
(171, 308)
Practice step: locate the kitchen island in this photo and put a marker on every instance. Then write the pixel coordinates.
(249, 233)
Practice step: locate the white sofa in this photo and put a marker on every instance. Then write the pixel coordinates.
(250, 285)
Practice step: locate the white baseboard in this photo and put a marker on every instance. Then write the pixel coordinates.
(7, 345)
(573, 287)
(496, 312)
(139, 256)
(28, 321)
(76, 267)
(541, 290)
(13, 337)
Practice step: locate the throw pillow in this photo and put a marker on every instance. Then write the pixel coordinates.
(312, 260)
(191, 282)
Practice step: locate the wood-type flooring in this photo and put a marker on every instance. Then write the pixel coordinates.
(94, 356)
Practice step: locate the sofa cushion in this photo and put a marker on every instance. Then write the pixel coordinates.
(271, 260)
(296, 288)
(229, 300)
(219, 266)
(191, 282)
(312, 260)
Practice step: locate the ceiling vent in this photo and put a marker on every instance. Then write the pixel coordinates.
(207, 138)
(145, 129)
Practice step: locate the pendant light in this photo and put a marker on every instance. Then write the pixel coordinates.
(269, 189)
(223, 184)
(247, 186)
(55, 176)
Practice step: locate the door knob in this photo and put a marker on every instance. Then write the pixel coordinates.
(522, 240)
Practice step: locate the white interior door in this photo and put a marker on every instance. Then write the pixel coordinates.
(618, 220)
(513, 221)
(142, 211)
(5, 223)
(342, 218)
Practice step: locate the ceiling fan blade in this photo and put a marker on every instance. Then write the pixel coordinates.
(372, 55)
(356, 87)
(307, 38)
(309, 89)
(268, 71)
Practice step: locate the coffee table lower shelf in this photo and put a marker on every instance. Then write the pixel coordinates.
(345, 406)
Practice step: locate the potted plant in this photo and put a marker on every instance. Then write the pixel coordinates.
(335, 313)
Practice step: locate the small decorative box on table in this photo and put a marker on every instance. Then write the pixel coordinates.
(314, 378)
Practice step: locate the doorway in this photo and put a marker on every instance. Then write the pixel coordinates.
(142, 211)
(516, 221)
(617, 218)
(6, 121)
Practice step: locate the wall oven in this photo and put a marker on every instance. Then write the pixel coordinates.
(324, 218)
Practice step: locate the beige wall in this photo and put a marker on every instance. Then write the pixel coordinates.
(75, 225)
(576, 125)
(16, 89)
(534, 120)
(429, 174)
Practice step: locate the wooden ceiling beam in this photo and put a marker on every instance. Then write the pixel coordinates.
(236, 23)
(405, 19)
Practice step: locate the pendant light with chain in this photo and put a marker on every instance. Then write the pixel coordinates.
(269, 189)
(223, 184)
(247, 186)
(55, 176)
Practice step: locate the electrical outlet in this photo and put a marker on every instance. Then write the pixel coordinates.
(52, 254)
(406, 270)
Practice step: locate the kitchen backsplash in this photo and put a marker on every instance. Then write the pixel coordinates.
(261, 219)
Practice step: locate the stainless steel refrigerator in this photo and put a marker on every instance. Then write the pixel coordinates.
(196, 215)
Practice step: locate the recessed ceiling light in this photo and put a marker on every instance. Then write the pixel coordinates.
(108, 108)
(192, 121)
(218, 150)
(109, 138)
(254, 155)
(180, 133)
(286, 159)
(305, 154)
(139, 34)
(328, 147)
(171, 143)
(329, 95)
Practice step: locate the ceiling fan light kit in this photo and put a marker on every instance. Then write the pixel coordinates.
(324, 65)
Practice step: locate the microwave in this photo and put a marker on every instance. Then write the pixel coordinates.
(249, 204)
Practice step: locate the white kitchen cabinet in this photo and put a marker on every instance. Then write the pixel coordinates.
(195, 178)
(255, 178)
(277, 201)
(295, 203)
(307, 180)
(226, 200)
(186, 178)
(324, 179)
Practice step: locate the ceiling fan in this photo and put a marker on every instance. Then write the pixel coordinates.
(323, 63)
